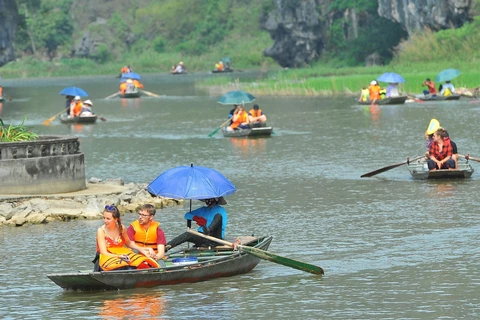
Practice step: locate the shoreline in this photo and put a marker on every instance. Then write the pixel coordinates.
(20, 210)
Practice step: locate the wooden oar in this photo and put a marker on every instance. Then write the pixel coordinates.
(113, 95)
(151, 94)
(370, 174)
(49, 120)
(467, 157)
(262, 254)
(216, 130)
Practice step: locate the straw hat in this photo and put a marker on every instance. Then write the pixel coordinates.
(129, 81)
(88, 102)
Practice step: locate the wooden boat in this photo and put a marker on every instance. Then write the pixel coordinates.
(179, 73)
(209, 264)
(131, 94)
(222, 71)
(264, 131)
(393, 100)
(419, 170)
(81, 119)
(437, 97)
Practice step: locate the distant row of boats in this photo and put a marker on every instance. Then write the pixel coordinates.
(420, 97)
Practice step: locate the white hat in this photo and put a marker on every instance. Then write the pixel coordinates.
(373, 82)
(77, 98)
(88, 102)
(129, 81)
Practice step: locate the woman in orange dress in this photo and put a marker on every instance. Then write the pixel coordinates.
(115, 247)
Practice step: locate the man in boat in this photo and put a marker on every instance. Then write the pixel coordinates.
(392, 90)
(179, 68)
(211, 220)
(146, 232)
(431, 87)
(374, 90)
(76, 107)
(447, 89)
(239, 119)
(256, 116)
(440, 152)
(219, 66)
(68, 102)
(86, 109)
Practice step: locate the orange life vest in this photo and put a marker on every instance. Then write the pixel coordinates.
(241, 118)
(137, 260)
(124, 70)
(148, 237)
(77, 109)
(374, 92)
(137, 84)
(1, 91)
(255, 113)
(123, 87)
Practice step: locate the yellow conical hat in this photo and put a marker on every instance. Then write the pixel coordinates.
(433, 126)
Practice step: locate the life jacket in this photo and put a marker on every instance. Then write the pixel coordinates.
(447, 92)
(365, 94)
(77, 108)
(137, 260)
(383, 92)
(137, 84)
(146, 238)
(241, 118)
(123, 87)
(124, 70)
(1, 92)
(374, 92)
(255, 113)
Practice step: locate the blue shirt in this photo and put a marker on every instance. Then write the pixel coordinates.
(209, 214)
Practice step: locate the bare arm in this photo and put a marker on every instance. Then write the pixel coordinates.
(132, 245)
(102, 246)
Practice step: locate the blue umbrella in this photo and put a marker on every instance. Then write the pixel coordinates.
(447, 75)
(189, 182)
(391, 77)
(236, 97)
(131, 75)
(74, 91)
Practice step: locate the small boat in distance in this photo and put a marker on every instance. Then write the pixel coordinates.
(392, 100)
(188, 266)
(82, 119)
(265, 131)
(437, 97)
(222, 71)
(419, 170)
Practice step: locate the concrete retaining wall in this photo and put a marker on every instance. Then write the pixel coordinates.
(48, 165)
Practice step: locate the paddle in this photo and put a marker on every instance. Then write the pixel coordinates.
(262, 254)
(49, 120)
(370, 174)
(113, 95)
(415, 99)
(151, 94)
(216, 130)
(467, 157)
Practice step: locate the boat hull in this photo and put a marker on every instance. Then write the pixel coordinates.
(251, 132)
(222, 71)
(130, 95)
(222, 266)
(394, 100)
(419, 171)
(81, 119)
(437, 97)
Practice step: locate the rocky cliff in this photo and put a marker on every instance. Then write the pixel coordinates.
(8, 26)
(416, 15)
(300, 28)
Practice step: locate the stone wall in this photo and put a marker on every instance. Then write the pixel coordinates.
(47, 165)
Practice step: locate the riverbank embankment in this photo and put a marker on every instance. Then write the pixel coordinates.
(19, 210)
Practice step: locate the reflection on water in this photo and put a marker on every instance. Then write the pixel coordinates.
(130, 103)
(249, 147)
(134, 306)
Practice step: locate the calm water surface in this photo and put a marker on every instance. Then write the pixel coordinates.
(391, 247)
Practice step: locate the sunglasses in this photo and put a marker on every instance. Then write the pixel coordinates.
(110, 208)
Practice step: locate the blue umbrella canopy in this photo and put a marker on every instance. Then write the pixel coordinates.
(447, 75)
(74, 91)
(189, 182)
(236, 97)
(391, 77)
(131, 75)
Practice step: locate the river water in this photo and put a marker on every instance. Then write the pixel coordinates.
(391, 247)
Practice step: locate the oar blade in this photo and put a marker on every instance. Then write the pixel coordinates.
(266, 255)
(370, 174)
(213, 132)
(48, 121)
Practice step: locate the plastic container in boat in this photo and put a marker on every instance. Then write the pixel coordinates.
(184, 261)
